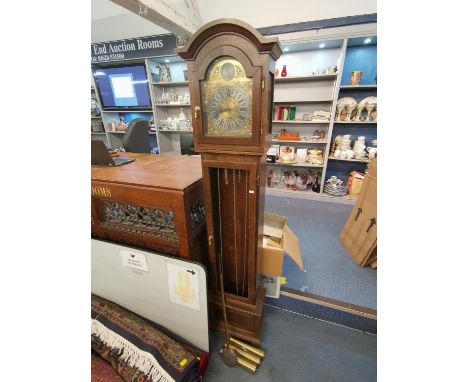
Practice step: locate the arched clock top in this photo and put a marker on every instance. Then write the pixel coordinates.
(229, 26)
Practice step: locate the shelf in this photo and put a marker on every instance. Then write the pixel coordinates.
(127, 111)
(322, 77)
(96, 117)
(96, 133)
(123, 132)
(358, 122)
(309, 195)
(296, 165)
(356, 87)
(350, 160)
(296, 121)
(344, 197)
(302, 102)
(172, 104)
(175, 131)
(301, 142)
(178, 83)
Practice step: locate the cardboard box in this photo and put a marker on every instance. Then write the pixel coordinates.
(359, 235)
(278, 240)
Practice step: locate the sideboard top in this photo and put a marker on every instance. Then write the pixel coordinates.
(174, 172)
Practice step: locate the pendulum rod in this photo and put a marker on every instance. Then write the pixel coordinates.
(220, 259)
(245, 230)
(235, 227)
(220, 254)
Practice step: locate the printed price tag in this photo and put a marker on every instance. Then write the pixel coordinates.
(135, 260)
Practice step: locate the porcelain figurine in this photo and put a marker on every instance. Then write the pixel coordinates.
(315, 157)
(346, 106)
(370, 105)
(164, 73)
(355, 79)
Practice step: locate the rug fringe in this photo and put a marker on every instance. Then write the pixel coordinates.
(135, 357)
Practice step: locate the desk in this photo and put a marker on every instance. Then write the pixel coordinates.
(153, 203)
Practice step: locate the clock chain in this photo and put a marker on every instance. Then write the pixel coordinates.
(235, 227)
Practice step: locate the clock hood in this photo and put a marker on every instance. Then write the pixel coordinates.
(203, 35)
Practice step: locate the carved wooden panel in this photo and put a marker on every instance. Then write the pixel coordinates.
(144, 221)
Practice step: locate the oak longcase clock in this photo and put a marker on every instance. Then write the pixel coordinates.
(230, 67)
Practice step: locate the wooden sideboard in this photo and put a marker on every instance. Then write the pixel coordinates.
(155, 202)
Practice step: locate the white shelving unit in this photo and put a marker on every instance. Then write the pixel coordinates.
(350, 160)
(356, 122)
(303, 122)
(94, 134)
(169, 140)
(310, 93)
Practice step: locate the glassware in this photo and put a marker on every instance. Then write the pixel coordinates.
(284, 72)
(316, 185)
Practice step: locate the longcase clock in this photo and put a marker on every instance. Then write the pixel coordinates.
(230, 67)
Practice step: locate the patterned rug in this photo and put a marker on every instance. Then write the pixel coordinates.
(102, 371)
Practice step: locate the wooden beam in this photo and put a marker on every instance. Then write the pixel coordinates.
(193, 10)
(161, 14)
(319, 24)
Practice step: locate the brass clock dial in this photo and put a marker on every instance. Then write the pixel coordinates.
(227, 100)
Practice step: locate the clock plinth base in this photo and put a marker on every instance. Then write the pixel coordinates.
(244, 319)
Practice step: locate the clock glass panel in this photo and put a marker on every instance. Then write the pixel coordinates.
(226, 100)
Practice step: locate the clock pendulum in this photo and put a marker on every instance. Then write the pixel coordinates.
(231, 74)
(230, 356)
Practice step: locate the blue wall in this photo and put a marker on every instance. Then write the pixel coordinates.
(362, 59)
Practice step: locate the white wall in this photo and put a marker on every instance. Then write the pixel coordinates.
(265, 13)
(112, 22)
(123, 26)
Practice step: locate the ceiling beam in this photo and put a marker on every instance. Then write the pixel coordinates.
(161, 14)
(193, 9)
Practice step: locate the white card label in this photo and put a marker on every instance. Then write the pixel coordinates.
(184, 286)
(135, 260)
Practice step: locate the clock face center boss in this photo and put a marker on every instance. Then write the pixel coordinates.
(227, 100)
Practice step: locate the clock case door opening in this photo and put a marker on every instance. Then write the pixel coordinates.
(233, 208)
(253, 71)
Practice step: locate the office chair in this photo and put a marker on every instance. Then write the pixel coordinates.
(186, 144)
(136, 138)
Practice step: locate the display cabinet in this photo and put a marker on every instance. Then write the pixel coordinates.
(311, 90)
(97, 126)
(171, 102)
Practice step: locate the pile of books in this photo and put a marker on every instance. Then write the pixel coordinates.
(285, 113)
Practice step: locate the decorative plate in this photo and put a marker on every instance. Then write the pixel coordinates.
(286, 162)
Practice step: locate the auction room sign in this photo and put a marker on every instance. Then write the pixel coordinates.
(135, 48)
